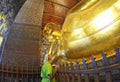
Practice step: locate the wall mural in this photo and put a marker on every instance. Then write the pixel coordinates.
(3, 23)
(8, 11)
(3, 30)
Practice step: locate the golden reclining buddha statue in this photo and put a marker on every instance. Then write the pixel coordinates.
(90, 27)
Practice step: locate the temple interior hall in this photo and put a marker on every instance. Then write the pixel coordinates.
(81, 36)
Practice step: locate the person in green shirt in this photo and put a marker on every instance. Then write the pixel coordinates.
(47, 71)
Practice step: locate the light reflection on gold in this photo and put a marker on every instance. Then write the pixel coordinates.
(103, 19)
(91, 29)
(76, 32)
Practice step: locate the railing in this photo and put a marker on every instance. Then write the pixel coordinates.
(105, 70)
(19, 74)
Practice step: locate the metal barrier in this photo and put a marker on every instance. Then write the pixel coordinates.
(102, 70)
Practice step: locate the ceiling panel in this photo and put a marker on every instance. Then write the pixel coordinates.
(56, 10)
